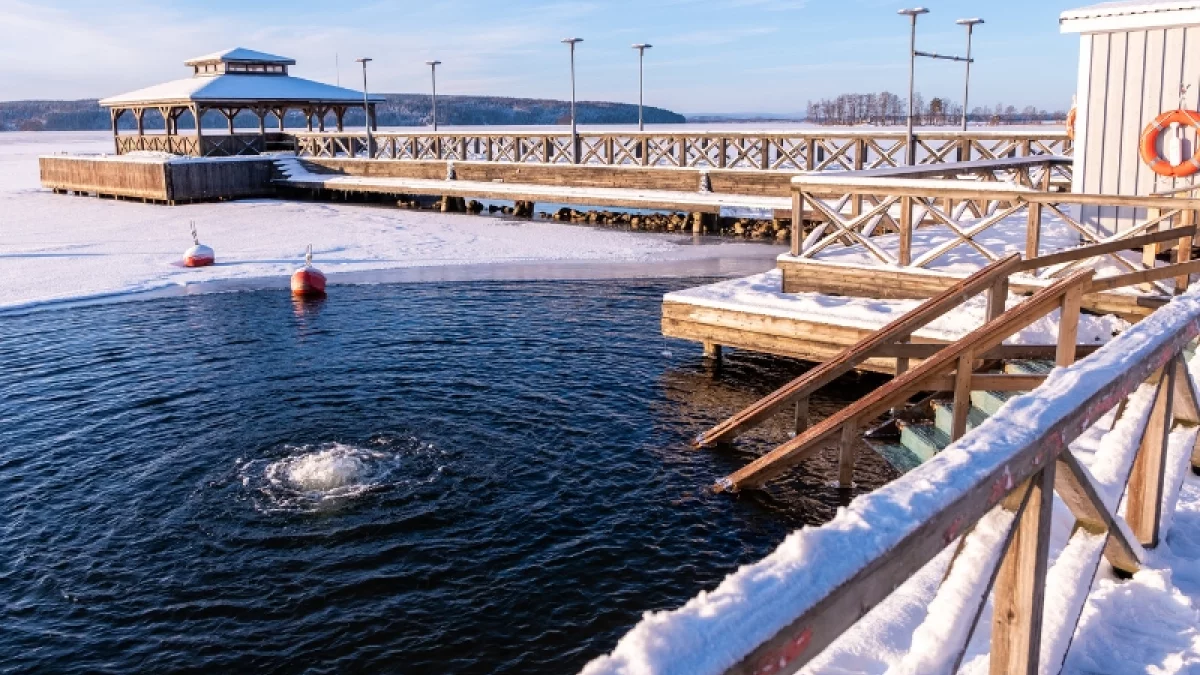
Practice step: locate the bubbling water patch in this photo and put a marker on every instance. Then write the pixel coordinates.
(328, 476)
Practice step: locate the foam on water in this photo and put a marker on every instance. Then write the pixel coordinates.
(327, 476)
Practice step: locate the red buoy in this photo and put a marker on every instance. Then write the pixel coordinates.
(308, 281)
(198, 255)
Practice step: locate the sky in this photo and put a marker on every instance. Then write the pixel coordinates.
(709, 56)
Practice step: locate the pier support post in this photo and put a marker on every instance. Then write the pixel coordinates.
(712, 351)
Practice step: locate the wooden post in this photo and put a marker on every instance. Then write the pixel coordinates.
(280, 113)
(962, 395)
(997, 298)
(1068, 326)
(114, 114)
(1021, 583)
(906, 231)
(712, 351)
(847, 451)
(339, 113)
(797, 221)
(1183, 252)
(1150, 251)
(1144, 500)
(801, 414)
(1033, 230)
(198, 116)
(139, 116)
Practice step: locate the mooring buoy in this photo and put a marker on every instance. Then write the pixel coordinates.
(308, 281)
(198, 255)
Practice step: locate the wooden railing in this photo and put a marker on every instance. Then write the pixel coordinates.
(990, 491)
(215, 145)
(965, 210)
(815, 150)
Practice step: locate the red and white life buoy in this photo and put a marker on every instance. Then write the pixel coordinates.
(308, 281)
(1148, 148)
(198, 255)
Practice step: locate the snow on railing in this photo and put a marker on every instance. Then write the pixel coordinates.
(991, 493)
(803, 150)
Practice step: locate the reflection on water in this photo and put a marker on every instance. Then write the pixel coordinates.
(488, 477)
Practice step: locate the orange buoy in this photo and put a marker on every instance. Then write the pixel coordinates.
(308, 281)
(198, 255)
(1148, 148)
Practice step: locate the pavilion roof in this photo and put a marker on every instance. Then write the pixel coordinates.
(241, 55)
(236, 88)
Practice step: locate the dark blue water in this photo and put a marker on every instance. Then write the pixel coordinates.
(426, 478)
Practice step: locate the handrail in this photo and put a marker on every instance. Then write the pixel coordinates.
(1052, 133)
(852, 356)
(900, 389)
(776, 615)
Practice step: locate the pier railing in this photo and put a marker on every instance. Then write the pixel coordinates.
(968, 211)
(214, 145)
(990, 493)
(808, 150)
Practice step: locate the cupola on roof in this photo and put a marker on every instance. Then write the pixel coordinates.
(240, 55)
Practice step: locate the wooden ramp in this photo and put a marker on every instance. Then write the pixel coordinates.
(978, 371)
(296, 175)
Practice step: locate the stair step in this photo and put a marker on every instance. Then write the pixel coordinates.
(990, 401)
(943, 416)
(923, 439)
(899, 456)
(1029, 367)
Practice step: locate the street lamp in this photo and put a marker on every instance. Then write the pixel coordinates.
(970, 24)
(641, 47)
(367, 108)
(574, 131)
(910, 150)
(433, 74)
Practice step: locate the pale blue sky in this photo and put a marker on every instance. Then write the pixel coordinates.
(709, 55)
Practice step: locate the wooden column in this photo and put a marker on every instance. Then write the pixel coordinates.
(139, 115)
(1033, 230)
(906, 231)
(339, 113)
(797, 222)
(198, 116)
(114, 114)
(1068, 326)
(847, 455)
(1144, 500)
(373, 117)
(307, 118)
(1021, 582)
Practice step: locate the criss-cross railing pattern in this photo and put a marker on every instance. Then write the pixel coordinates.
(929, 218)
(807, 150)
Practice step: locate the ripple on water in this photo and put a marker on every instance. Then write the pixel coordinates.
(304, 478)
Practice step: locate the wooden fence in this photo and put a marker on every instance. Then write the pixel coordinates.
(1018, 472)
(855, 209)
(1008, 466)
(815, 150)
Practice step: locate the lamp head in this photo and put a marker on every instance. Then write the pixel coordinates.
(571, 41)
(642, 46)
(364, 60)
(433, 63)
(969, 22)
(914, 12)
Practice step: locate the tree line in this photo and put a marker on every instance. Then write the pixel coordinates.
(886, 108)
(399, 110)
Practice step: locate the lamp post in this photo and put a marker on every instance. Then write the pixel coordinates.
(433, 75)
(641, 47)
(367, 109)
(910, 149)
(574, 130)
(970, 24)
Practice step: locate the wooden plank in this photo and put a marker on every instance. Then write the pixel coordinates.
(819, 624)
(1144, 276)
(988, 382)
(1094, 250)
(1144, 498)
(900, 328)
(963, 374)
(1017, 600)
(1068, 327)
(1074, 486)
(900, 389)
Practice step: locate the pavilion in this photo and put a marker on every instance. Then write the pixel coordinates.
(230, 82)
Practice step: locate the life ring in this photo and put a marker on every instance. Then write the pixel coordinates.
(1071, 123)
(1149, 145)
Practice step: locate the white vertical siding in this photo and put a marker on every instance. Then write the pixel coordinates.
(1132, 76)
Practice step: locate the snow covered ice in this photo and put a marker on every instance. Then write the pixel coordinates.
(57, 248)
